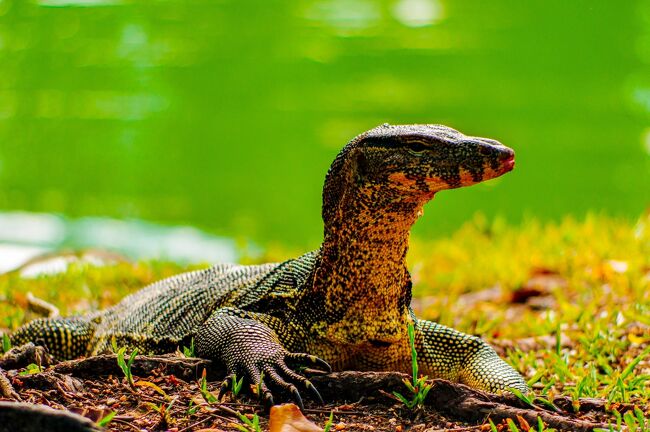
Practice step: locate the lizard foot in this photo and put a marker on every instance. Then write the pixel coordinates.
(273, 371)
(250, 349)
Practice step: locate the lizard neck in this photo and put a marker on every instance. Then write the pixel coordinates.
(361, 274)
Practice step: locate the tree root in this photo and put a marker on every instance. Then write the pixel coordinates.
(188, 369)
(6, 389)
(21, 356)
(456, 401)
(452, 399)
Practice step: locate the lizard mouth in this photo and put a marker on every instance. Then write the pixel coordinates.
(379, 343)
(509, 164)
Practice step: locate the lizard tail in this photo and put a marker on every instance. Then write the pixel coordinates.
(65, 338)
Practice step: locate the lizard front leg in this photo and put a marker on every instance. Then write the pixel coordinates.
(447, 353)
(249, 347)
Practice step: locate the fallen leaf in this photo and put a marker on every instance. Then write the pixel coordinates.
(636, 340)
(153, 386)
(523, 423)
(288, 418)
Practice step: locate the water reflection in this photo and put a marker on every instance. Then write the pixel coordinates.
(78, 3)
(345, 14)
(25, 235)
(419, 13)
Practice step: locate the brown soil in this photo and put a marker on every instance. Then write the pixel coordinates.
(167, 397)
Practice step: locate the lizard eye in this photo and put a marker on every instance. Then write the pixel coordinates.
(417, 148)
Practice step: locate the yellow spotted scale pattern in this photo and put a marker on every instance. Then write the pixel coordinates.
(347, 303)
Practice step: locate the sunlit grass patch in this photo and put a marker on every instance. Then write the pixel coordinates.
(581, 287)
(82, 288)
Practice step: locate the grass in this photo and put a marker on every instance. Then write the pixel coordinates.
(251, 424)
(591, 279)
(203, 388)
(581, 286)
(329, 423)
(418, 384)
(105, 421)
(125, 365)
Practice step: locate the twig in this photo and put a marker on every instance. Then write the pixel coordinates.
(125, 422)
(193, 425)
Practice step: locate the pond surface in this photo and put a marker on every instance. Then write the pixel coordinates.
(225, 115)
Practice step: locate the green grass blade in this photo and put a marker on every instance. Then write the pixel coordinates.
(132, 358)
(628, 370)
(104, 421)
(329, 423)
(527, 400)
(401, 398)
(512, 426)
(6, 342)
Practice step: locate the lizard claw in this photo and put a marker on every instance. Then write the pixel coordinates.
(314, 392)
(253, 351)
(275, 373)
(304, 381)
(296, 396)
(308, 358)
(257, 379)
(225, 385)
(268, 400)
(277, 381)
(264, 393)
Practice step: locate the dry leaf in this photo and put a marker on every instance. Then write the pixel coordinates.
(523, 423)
(288, 418)
(636, 340)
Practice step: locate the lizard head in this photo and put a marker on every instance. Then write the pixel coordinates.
(420, 160)
(410, 163)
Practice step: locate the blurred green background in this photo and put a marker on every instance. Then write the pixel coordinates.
(225, 115)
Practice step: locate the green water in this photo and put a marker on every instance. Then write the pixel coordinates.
(226, 114)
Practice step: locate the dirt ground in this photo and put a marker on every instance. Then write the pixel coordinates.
(167, 397)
